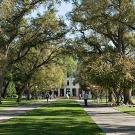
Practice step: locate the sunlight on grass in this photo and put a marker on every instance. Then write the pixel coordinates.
(126, 109)
(8, 103)
(64, 117)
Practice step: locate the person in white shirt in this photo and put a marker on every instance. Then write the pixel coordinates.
(85, 97)
(67, 96)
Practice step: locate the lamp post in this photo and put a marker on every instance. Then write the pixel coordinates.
(36, 92)
(106, 96)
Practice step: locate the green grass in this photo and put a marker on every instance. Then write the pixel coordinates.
(7, 103)
(63, 117)
(126, 109)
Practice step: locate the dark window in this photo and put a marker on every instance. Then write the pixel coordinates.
(74, 91)
(61, 92)
(74, 82)
(67, 82)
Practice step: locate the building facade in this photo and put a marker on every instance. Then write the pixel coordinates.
(70, 87)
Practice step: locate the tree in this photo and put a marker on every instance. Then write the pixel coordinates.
(108, 19)
(19, 34)
(47, 78)
(6, 8)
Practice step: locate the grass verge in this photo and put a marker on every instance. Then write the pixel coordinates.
(7, 103)
(126, 109)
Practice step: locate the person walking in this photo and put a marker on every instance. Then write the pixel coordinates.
(67, 96)
(47, 97)
(50, 94)
(85, 98)
(80, 96)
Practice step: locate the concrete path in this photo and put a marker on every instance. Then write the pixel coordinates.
(111, 121)
(11, 112)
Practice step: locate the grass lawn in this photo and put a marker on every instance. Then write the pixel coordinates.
(126, 109)
(63, 117)
(7, 103)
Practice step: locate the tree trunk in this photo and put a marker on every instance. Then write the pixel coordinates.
(127, 93)
(117, 96)
(36, 95)
(110, 96)
(4, 93)
(20, 89)
(117, 99)
(1, 86)
(28, 92)
(0, 97)
(19, 96)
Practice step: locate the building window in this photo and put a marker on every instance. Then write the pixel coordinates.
(67, 82)
(61, 92)
(74, 83)
(74, 92)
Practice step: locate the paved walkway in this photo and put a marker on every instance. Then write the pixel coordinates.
(11, 112)
(112, 121)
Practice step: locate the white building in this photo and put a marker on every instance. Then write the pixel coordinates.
(70, 87)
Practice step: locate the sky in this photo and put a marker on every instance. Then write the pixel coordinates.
(62, 9)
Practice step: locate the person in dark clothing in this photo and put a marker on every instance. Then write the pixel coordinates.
(85, 96)
(50, 94)
(47, 97)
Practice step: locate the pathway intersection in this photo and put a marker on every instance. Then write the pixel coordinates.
(12, 112)
(111, 121)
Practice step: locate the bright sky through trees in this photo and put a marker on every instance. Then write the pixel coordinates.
(62, 9)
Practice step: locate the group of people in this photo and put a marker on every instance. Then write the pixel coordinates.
(85, 97)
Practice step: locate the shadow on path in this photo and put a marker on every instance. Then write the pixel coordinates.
(113, 122)
(11, 112)
(59, 118)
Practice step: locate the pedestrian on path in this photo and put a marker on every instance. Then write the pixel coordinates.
(67, 96)
(80, 96)
(47, 97)
(85, 97)
(50, 94)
